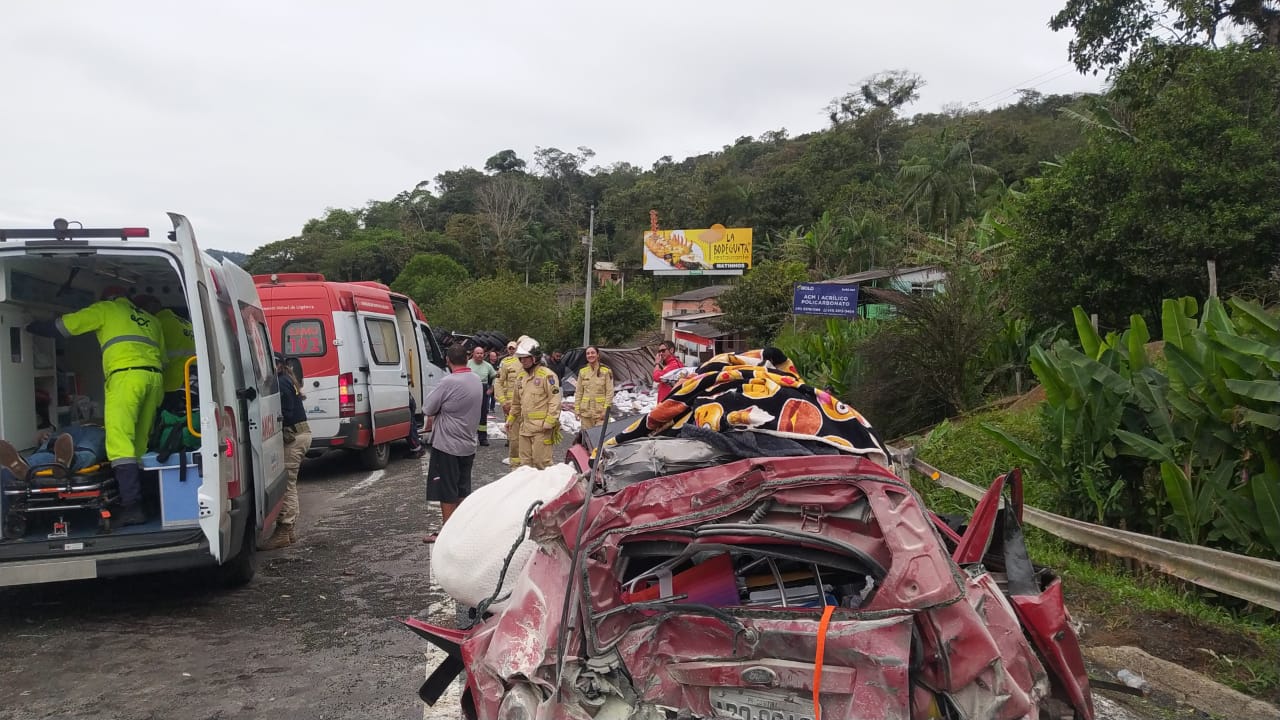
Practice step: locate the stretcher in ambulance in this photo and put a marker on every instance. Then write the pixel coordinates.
(367, 356)
(206, 507)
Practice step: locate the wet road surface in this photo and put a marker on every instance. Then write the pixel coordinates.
(313, 636)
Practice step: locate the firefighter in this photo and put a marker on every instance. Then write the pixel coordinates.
(536, 405)
(180, 343)
(506, 387)
(133, 355)
(594, 394)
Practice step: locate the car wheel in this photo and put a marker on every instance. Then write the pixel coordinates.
(376, 457)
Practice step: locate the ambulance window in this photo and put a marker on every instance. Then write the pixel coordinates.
(264, 368)
(382, 341)
(303, 338)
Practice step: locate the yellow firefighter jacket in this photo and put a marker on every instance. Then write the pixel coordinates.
(536, 401)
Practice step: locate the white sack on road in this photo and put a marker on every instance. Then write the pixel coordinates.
(467, 556)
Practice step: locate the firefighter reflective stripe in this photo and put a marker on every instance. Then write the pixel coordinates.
(130, 338)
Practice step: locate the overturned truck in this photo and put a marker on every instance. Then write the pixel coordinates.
(744, 552)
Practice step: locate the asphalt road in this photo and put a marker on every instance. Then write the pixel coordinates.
(314, 636)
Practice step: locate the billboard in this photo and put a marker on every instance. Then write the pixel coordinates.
(716, 250)
(827, 300)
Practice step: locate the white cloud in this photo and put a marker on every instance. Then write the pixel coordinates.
(252, 117)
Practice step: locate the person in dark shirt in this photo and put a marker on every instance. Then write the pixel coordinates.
(555, 363)
(297, 440)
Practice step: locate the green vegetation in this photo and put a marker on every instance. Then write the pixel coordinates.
(829, 351)
(616, 317)
(1187, 450)
(862, 193)
(430, 278)
(1178, 168)
(1105, 595)
(964, 449)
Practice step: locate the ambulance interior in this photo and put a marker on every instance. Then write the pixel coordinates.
(55, 382)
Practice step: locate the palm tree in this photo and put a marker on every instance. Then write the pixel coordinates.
(868, 241)
(539, 245)
(944, 185)
(818, 246)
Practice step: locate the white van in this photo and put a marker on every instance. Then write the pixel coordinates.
(207, 507)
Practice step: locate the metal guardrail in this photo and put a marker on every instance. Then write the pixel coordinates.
(1240, 576)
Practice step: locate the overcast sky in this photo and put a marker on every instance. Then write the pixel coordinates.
(252, 117)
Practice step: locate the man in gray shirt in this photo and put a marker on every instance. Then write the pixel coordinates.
(452, 411)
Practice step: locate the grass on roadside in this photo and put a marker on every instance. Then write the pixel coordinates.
(1117, 598)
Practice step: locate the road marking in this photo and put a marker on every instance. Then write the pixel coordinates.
(435, 611)
(374, 477)
(449, 706)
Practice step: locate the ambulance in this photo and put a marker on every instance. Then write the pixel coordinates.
(367, 356)
(207, 507)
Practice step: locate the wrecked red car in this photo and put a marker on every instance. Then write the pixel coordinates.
(672, 580)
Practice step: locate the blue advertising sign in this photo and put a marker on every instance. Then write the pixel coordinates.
(829, 300)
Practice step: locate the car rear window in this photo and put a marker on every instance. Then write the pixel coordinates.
(303, 338)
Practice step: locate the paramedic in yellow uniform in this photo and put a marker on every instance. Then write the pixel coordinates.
(594, 394)
(536, 404)
(133, 357)
(180, 346)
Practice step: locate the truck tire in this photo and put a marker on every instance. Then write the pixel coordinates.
(240, 569)
(376, 457)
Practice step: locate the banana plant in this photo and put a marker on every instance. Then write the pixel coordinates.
(1084, 409)
(1195, 439)
(1213, 425)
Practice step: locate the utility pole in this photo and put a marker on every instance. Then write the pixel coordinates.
(591, 243)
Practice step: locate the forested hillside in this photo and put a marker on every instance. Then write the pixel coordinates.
(873, 182)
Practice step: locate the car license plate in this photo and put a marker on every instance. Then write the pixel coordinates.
(745, 704)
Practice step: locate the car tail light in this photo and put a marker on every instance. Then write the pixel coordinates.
(346, 395)
(229, 468)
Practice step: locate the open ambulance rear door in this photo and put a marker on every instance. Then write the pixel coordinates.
(238, 396)
(219, 472)
(260, 396)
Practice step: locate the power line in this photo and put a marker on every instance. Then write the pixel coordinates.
(1011, 94)
(1020, 85)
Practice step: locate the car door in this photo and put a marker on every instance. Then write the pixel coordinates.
(215, 468)
(387, 374)
(260, 396)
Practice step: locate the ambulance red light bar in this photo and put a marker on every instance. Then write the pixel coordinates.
(62, 230)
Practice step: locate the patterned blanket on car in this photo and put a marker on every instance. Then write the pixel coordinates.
(759, 391)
